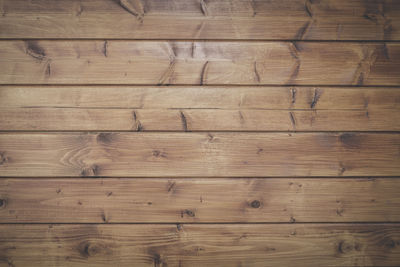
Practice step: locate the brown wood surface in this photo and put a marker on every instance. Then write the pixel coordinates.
(67, 119)
(200, 97)
(202, 19)
(204, 108)
(199, 63)
(200, 154)
(201, 245)
(108, 200)
(275, 143)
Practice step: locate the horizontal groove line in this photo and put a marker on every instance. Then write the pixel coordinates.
(396, 87)
(210, 108)
(77, 39)
(185, 132)
(197, 223)
(203, 85)
(200, 177)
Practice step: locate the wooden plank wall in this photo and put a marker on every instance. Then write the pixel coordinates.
(199, 133)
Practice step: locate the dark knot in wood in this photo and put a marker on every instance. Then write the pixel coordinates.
(255, 204)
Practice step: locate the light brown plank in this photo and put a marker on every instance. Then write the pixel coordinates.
(199, 200)
(199, 154)
(200, 97)
(200, 245)
(77, 119)
(204, 108)
(202, 19)
(199, 63)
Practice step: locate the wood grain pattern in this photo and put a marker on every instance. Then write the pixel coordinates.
(150, 200)
(202, 19)
(199, 63)
(200, 97)
(67, 119)
(200, 245)
(204, 108)
(200, 154)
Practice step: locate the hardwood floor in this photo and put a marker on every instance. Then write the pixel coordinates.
(199, 133)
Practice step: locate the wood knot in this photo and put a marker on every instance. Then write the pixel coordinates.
(346, 247)
(3, 158)
(159, 154)
(35, 50)
(255, 204)
(90, 249)
(3, 203)
(350, 140)
(104, 138)
(90, 171)
(388, 243)
(189, 213)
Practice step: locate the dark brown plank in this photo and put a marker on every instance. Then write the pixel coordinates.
(202, 19)
(201, 245)
(199, 200)
(200, 154)
(199, 63)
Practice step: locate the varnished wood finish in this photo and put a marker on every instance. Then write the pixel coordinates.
(200, 154)
(199, 63)
(201, 245)
(202, 19)
(203, 200)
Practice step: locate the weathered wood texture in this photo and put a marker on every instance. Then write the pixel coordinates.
(199, 63)
(65, 119)
(150, 200)
(203, 109)
(200, 97)
(200, 245)
(202, 19)
(200, 154)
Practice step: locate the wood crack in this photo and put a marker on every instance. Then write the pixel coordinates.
(105, 47)
(303, 31)
(167, 75)
(138, 11)
(256, 74)
(307, 8)
(293, 93)
(203, 7)
(184, 121)
(137, 125)
(364, 66)
(203, 73)
(316, 96)
(292, 119)
(294, 52)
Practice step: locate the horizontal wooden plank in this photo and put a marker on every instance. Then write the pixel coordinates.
(121, 108)
(202, 19)
(78, 119)
(201, 245)
(85, 200)
(199, 63)
(199, 154)
(200, 97)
